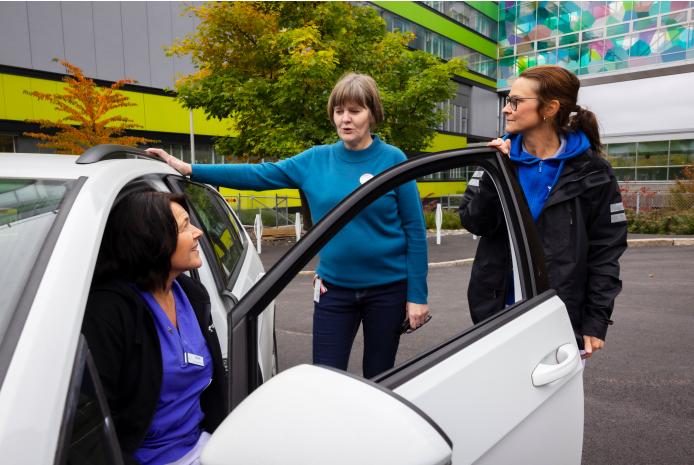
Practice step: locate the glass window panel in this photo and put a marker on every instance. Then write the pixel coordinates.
(507, 68)
(619, 11)
(506, 52)
(652, 153)
(592, 53)
(674, 39)
(625, 174)
(591, 70)
(666, 7)
(645, 9)
(526, 23)
(645, 24)
(651, 174)
(568, 57)
(525, 48)
(615, 66)
(617, 29)
(690, 36)
(547, 43)
(547, 58)
(507, 27)
(547, 19)
(622, 155)
(644, 44)
(595, 15)
(568, 40)
(7, 144)
(203, 155)
(617, 49)
(681, 151)
(673, 18)
(592, 35)
(569, 17)
(525, 62)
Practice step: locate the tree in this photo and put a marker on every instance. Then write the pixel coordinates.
(271, 66)
(87, 105)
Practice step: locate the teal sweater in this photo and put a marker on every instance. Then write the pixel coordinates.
(385, 243)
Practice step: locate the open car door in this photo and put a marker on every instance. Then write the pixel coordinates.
(508, 389)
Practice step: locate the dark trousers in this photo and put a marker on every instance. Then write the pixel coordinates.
(336, 318)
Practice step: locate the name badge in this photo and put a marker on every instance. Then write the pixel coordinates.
(316, 290)
(195, 360)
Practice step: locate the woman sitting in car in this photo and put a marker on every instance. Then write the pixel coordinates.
(149, 329)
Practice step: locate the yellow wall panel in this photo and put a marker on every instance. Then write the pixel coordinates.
(137, 113)
(440, 188)
(163, 114)
(246, 202)
(45, 109)
(2, 100)
(18, 106)
(447, 142)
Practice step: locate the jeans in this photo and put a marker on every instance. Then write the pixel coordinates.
(336, 319)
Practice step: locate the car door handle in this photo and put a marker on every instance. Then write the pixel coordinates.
(567, 359)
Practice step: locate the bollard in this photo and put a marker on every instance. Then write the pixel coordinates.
(297, 226)
(474, 238)
(439, 220)
(258, 228)
(638, 198)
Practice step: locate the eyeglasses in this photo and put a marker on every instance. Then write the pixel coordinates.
(513, 101)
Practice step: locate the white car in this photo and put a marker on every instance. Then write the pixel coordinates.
(507, 390)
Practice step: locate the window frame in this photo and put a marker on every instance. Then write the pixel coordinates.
(84, 363)
(240, 245)
(525, 241)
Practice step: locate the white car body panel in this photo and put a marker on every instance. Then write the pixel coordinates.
(45, 353)
(484, 399)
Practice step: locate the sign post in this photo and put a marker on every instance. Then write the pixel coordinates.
(258, 228)
(439, 220)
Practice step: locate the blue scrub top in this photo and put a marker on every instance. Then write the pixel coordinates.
(175, 428)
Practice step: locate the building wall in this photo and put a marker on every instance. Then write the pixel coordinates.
(484, 119)
(108, 40)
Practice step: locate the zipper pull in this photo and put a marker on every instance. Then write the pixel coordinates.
(495, 293)
(540, 166)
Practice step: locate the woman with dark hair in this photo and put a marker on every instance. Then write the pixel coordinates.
(573, 196)
(375, 269)
(149, 329)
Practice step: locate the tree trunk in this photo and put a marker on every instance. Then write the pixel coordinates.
(305, 211)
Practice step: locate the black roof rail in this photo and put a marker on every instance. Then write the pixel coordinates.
(114, 152)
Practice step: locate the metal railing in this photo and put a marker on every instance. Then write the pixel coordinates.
(644, 202)
(451, 202)
(274, 211)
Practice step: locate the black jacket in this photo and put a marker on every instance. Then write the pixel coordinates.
(580, 241)
(124, 343)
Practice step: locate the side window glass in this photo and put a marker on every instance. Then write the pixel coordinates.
(223, 206)
(88, 436)
(224, 240)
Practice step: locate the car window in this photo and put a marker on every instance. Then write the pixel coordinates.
(88, 435)
(28, 208)
(236, 224)
(223, 239)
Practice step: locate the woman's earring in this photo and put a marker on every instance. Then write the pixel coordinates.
(544, 119)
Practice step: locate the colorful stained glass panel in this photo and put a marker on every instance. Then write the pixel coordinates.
(525, 62)
(595, 15)
(617, 29)
(547, 19)
(522, 49)
(507, 27)
(619, 12)
(506, 52)
(617, 49)
(545, 44)
(592, 35)
(592, 53)
(673, 18)
(568, 39)
(645, 9)
(569, 17)
(666, 7)
(644, 44)
(547, 58)
(674, 39)
(645, 24)
(568, 57)
(507, 68)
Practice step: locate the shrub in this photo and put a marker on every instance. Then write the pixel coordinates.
(449, 220)
(247, 217)
(661, 222)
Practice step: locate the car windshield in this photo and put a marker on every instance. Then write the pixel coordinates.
(28, 208)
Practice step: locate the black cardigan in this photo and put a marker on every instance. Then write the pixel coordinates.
(124, 343)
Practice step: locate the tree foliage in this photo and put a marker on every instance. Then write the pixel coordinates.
(270, 67)
(87, 107)
(684, 185)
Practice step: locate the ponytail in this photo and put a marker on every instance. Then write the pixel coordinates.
(586, 121)
(556, 83)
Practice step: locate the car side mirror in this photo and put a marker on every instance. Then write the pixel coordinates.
(315, 415)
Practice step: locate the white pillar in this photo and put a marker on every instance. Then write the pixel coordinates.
(258, 228)
(192, 139)
(297, 226)
(439, 220)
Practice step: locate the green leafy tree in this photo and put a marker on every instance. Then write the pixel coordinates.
(270, 67)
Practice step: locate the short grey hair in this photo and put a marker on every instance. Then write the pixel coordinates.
(358, 89)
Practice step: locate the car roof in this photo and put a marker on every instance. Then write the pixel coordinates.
(45, 166)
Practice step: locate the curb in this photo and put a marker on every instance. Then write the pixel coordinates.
(661, 242)
(467, 261)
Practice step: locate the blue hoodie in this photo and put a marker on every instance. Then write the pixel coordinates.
(537, 177)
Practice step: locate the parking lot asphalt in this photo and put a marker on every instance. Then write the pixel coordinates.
(639, 390)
